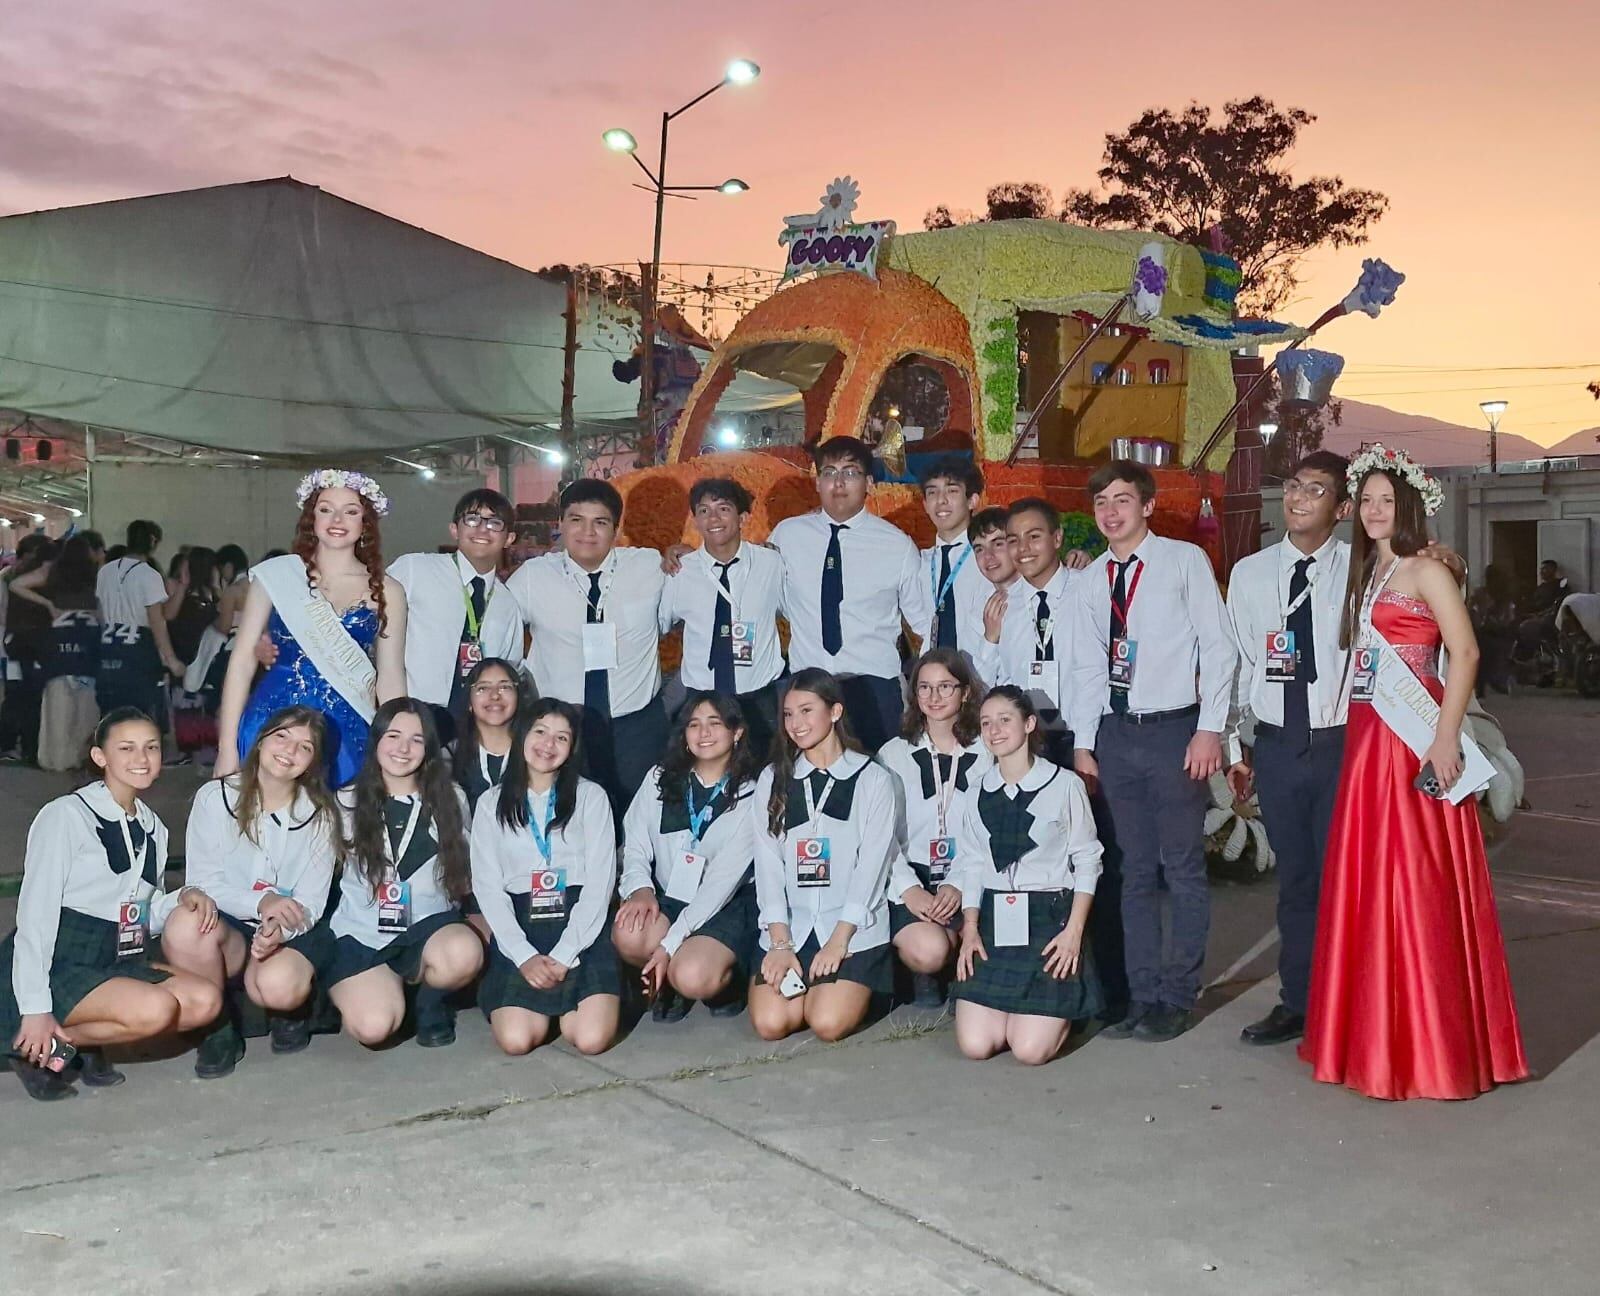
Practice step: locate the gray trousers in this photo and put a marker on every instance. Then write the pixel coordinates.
(1158, 813)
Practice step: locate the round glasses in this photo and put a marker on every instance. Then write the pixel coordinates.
(943, 689)
(478, 521)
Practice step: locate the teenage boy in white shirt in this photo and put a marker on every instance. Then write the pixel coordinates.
(728, 595)
(951, 489)
(846, 570)
(1153, 661)
(593, 609)
(459, 609)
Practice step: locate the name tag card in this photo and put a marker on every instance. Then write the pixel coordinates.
(1010, 918)
(1280, 657)
(394, 908)
(941, 855)
(1036, 669)
(684, 880)
(133, 926)
(468, 656)
(744, 643)
(813, 862)
(1363, 674)
(547, 897)
(599, 646)
(1124, 653)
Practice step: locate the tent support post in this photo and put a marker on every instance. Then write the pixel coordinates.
(88, 476)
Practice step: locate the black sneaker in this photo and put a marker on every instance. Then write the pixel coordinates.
(1162, 1023)
(290, 1034)
(1137, 1012)
(95, 1071)
(42, 1084)
(926, 992)
(436, 1020)
(1278, 1027)
(219, 1052)
(732, 1000)
(670, 1006)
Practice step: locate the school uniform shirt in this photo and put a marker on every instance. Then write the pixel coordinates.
(126, 589)
(438, 587)
(1184, 651)
(920, 773)
(483, 775)
(854, 799)
(552, 592)
(691, 595)
(1034, 835)
(1021, 647)
(657, 836)
(295, 855)
(1258, 595)
(969, 591)
(414, 861)
(77, 858)
(504, 858)
(884, 580)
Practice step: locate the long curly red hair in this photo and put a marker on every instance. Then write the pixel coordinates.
(369, 549)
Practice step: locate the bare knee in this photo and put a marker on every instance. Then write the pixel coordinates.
(517, 1039)
(698, 980)
(1034, 1053)
(159, 1012)
(371, 1026)
(771, 1021)
(978, 1045)
(454, 962)
(588, 1039)
(182, 934)
(633, 947)
(280, 990)
(831, 1025)
(925, 951)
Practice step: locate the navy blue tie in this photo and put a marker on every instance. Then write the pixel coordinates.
(944, 635)
(1297, 692)
(596, 683)
(832, 592)
(1119, 626)
(721, 662)
(1044, 635)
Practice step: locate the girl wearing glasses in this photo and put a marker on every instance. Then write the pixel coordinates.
(937, 762)
(497, 693)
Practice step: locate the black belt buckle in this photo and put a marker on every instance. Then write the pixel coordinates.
(1161, 717)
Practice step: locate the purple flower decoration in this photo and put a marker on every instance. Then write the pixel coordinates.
(1375, 289)
(1150, 277)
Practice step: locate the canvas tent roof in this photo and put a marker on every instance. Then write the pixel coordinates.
(275, 317)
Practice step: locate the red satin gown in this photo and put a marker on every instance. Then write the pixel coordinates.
(1410, 996)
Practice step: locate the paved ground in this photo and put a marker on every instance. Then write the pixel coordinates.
(694, 1159)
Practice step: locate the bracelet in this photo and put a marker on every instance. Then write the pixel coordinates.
(782, 945)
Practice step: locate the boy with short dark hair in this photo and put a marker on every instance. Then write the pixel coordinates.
(951, 488)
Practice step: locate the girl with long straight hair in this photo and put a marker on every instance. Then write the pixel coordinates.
(688, 917)
(937, 762)
(544, 869)
(497, 693)
(398, 920)
(263, 843)
(822, 871)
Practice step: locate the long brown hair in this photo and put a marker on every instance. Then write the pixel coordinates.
(1410, 537)
(437, 790)
(916, 724)
(369, 550)
(314, 782)
(824, 686)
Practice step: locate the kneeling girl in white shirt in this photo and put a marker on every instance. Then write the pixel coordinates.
(496, 694)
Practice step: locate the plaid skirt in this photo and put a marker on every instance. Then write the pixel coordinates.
(900, 917)
(1013, 980)
(504, 986)
(338, 958)
(735, 925)
(873, 968)
(304, 943)
(85, 958)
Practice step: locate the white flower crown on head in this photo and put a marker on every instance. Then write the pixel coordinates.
(332, 478)
(1396, 463)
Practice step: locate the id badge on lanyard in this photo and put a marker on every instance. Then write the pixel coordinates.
(1124, 649)
(813, 855)
(547, 889)
(942, 849)
(741, 633)
(470, 652)
(1363, 674)
(133, 914)
(394, 894)
(1281, 657)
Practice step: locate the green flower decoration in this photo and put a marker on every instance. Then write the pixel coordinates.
(1078, 532)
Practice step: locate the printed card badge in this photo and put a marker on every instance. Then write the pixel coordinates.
(1364, 675)
(133, 924)
(812, 862)
(1010, 918)
(468, 656)
(1124, 653)
(394, 907)
(1036, 669)
(258, 886)
(744, 643)
(547, 897)
(941, 855)
(1280, 657)
(684, 880)
(599, 646)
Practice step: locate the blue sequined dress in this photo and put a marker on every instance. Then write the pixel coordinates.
(294, 680)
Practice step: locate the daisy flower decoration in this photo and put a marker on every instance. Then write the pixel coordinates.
(1396, 463)
(332, 478)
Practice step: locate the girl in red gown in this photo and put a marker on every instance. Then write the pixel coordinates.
(1410, 996)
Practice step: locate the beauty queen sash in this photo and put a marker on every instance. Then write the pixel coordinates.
(316, 627)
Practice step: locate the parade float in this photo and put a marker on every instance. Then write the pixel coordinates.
(1039, 348)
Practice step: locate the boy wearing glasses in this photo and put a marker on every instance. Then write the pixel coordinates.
(460, 609)
(849, 580)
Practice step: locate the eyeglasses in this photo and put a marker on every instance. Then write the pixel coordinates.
(840, 474)
(1311, 490)
(493, 690)
(475, 521)
(944, 689)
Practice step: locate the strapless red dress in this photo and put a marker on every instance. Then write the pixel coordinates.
(1410, 996)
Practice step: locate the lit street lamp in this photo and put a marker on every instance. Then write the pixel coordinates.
(1492, 410)
(739, 72)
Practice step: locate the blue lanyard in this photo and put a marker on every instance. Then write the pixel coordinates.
(934, 556)
(699, 819)
(541, 836)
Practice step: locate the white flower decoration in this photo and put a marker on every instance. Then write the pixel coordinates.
(838, 204)
(1379, 458)
(1245, 827)
(335, 478)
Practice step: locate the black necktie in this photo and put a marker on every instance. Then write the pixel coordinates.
(1297, 693)
(1044, 635)
(721, 662)
(1119, 626)
(944, 634)
(832, 592)
(596, 683)
(480, 605)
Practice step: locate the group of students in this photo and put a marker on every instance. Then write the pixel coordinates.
(542, 825)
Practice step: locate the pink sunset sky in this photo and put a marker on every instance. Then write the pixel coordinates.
(481, 120)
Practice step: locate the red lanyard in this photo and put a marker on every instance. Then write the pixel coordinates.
(1121, 610)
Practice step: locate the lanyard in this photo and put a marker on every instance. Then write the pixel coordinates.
(483, 763)
(473, 631)
(942, 797)
(135, 859)
(541, 834)
(942, 592)
(699, 819)
(580, 578)
(725, 592)
(1375, 589)
(813, 808)
(395, 856)
(1121, 610)
(1311, 584)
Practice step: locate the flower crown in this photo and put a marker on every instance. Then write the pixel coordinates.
(1396, 463)
(334, 478)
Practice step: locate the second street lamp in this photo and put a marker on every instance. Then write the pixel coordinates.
(1492, 410)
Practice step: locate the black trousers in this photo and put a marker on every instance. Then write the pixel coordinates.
(1297, 790)
(618, 751)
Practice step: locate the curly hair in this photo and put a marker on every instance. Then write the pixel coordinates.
(369, 550)
(744, 765)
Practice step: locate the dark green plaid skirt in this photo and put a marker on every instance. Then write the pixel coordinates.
(338, 958)
(900, 917)
(504, 986)
(85, 958)
(735, 925)
(873, 968)
(1013, 980)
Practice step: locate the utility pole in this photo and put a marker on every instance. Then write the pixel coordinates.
(570, 468)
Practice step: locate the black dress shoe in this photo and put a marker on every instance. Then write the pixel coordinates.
(436, 1019)
(1278, 1027)
(219, 1052)
(290, 1034)
(926, 992)
(1162, 1023)
(670, 1006)
(1136, 1013)
(95, 1071)
(731, 1007)
(42, 1084)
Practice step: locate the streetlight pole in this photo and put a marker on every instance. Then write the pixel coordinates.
(1492, 410)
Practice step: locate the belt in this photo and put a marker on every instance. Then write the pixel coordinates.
(1158, 717)
(1327, 731)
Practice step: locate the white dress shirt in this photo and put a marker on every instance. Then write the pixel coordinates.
(68, 866)
(1012, 660)
(503, 861)
(1258, 598)
(969, 591)
(437, 588)
(295, 856)
(917, 818)
(651, 853)
(856, 817)
(692, 592)
(553, 593)
(1065, 855)
(126, 589)
(1184, 645)
(357, 911)
(884, 580)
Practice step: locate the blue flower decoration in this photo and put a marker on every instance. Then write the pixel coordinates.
(1376, 287)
